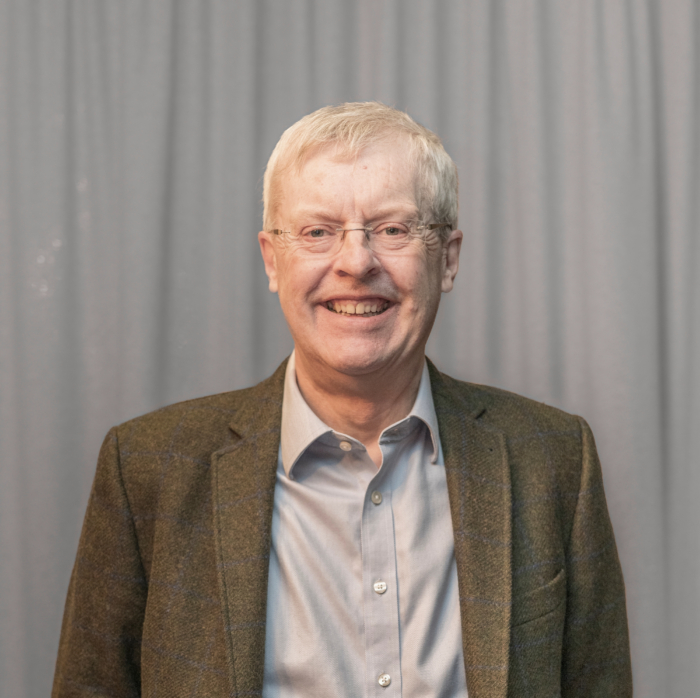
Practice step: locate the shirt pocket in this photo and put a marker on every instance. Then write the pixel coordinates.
(540, 601)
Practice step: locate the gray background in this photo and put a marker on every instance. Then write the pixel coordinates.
(133, 138)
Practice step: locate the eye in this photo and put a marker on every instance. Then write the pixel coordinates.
(316, 232)
(392, 230)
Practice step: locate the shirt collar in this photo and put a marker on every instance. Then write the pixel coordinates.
(301, 427)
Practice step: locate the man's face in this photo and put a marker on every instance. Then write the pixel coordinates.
(353, 192)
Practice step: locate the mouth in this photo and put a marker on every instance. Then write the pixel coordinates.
(368, 308)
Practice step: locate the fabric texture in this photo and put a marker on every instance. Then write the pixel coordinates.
(328, 631)
(168, 594)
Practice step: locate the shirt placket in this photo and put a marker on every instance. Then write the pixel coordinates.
(380, 589)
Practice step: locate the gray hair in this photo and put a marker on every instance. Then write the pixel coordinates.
(354, 126)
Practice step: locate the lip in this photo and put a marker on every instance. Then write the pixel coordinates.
(371, 318)
(357, 299)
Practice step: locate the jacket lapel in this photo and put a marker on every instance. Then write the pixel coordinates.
(478, 481)
(243, 482)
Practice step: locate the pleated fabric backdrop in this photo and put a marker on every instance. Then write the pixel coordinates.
(133, 138)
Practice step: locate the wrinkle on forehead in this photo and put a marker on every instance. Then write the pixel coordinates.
(390, 165)
(378, 183)
(340, 153)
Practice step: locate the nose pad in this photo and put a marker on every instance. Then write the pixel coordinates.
(351, 243)
(354, 257)
(352, 230)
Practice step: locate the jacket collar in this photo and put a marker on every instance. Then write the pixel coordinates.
(478, 481)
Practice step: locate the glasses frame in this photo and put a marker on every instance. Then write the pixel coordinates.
(367, 230)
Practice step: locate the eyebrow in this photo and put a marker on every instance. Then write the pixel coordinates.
(388, 213)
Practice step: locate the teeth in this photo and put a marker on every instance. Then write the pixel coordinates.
(364, 309)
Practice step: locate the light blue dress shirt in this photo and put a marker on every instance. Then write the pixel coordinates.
(362, 591)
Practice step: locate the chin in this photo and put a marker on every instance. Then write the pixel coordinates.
(352, 362)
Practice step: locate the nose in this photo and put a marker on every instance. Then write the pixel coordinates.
(355, 258)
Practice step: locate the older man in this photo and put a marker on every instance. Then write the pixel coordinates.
(358, 524)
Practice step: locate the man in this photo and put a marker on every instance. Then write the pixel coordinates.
(358, 524)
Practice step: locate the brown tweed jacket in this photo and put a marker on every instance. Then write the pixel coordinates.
(168, 593)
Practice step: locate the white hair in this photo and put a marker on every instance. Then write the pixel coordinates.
(354, 126)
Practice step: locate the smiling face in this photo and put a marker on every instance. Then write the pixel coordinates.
(357, 312)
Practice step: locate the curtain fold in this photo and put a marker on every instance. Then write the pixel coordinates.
(133, 139)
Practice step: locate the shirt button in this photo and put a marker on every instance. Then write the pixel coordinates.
(377, 499)
(379, 587)
(384, 680)
(346, 445)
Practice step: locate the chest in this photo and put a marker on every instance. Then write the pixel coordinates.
(363, 581)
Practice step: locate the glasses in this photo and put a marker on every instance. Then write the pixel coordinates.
(387, 238)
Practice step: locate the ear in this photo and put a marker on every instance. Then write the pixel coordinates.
(267, 249)
(450, 259)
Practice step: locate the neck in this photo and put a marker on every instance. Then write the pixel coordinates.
(361, 406)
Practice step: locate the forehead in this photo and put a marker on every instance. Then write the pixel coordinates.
(380, 178)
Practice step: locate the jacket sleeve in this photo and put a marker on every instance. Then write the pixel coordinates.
(100, 646)
(596, 660)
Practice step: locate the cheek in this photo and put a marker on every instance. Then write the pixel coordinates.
(421, 283)
(297, 279)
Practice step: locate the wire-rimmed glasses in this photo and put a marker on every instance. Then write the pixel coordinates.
(386, 238)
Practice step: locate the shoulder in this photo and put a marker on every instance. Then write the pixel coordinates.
(514, 414)
(196, 428)
(545, 446)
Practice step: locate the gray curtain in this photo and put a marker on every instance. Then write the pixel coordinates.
(133, 138)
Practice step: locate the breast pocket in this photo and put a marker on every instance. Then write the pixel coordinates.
(540, 601)
(537, 633)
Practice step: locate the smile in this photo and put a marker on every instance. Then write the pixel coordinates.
(361, 309)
